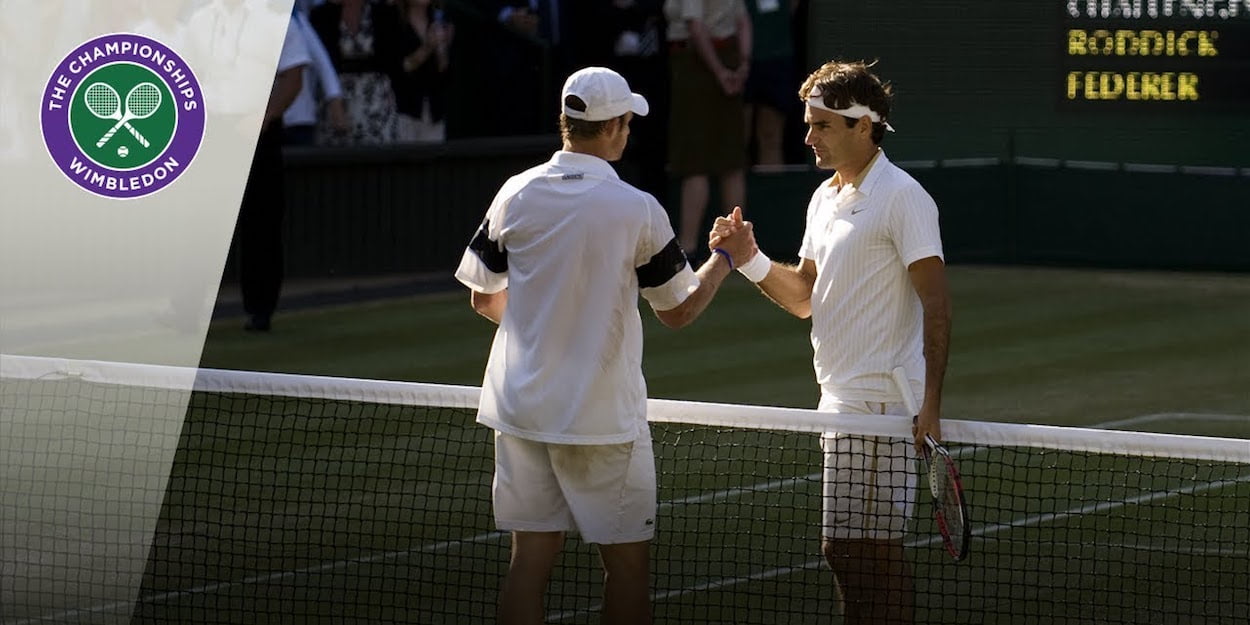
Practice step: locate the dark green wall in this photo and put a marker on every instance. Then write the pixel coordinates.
(394, 209)
(968, 75)
(1051, 215)
(412, 209)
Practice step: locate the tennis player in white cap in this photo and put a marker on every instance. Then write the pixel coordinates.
(559, 262)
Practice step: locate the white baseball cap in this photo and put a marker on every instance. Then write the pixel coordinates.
(605, 92)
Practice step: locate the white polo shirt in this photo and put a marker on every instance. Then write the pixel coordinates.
(866, 316)
(574, 246)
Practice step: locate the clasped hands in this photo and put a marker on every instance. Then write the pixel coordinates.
(735, 236)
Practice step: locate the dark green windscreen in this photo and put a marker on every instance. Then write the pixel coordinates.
(979, 78)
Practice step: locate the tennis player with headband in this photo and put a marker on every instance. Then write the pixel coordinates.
(872, 279)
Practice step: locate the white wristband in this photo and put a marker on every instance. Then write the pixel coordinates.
(757, 268)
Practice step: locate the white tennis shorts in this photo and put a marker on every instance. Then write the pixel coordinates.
(606, 493)
(869, 481)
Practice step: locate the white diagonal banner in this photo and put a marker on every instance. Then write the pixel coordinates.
(127, 129)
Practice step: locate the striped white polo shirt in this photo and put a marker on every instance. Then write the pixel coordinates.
(574, 246)
(866, 316)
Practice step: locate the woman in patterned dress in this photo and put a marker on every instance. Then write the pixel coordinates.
(421, 86)
(362, 37)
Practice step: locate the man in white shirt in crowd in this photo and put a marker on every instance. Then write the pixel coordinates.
(872, 278)
(563, 253)
(300, 119)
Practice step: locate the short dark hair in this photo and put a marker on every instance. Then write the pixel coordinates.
(579, 128)
(841, 83)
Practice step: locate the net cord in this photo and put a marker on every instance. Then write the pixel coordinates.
(658, 410)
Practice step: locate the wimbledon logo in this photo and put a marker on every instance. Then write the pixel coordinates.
(122, 116)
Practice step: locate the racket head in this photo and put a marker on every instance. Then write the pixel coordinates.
(102, 100)
(950, 508)
(143, 100)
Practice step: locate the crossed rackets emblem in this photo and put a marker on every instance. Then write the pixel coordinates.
(141, 102)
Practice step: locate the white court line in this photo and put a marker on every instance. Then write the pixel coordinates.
(439, 547)
(1037, 519)
(117, 606)
(1176, 549)
(1172, 416)
(485, 537)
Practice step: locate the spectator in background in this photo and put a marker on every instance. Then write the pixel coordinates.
(163, 22)
(553, 22)
(517, 56)
(362, 38)
(226, 31)
(628, 36)
(421, 84)
(301, 117)
(769, 92)
(709, 55)
(540, 29)
(259, 228)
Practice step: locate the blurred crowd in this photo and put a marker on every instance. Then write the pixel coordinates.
(379, 73)
(720, 74)
(388, 71)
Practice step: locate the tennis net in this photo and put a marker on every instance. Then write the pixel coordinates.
(310, 499)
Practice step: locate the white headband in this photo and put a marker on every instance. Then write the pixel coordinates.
(854, 111)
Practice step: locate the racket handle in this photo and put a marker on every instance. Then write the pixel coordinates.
(142, 140)
(108, 135)
(904, 388)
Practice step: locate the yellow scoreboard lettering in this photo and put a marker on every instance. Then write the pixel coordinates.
(1135, 86)
(1143, 43)
(1154, 55)
(1074, 84)
(1187, 86)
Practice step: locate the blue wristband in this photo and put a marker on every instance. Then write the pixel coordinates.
(728, 258)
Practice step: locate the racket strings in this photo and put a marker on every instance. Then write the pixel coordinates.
(948, 505)
(143, 100)
(949, 508)
(937, 477)
(101, 100)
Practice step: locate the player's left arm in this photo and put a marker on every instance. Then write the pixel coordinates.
(489, 305)
(928, 278)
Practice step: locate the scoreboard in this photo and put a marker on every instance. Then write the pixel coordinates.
(1155, 55)
(1116, 124)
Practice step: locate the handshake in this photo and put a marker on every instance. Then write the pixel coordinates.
(734, 238)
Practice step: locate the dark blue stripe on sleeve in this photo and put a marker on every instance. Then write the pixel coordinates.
(662, 267)
(494, 257)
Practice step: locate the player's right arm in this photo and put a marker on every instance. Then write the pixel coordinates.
(489, 305)
(484, 265)
(677, 294)
(790, 286)
(711, 275)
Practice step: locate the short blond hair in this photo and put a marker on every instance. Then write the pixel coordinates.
(579, 128)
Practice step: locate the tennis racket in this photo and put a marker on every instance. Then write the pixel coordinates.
(103, 102)
(141, 102)
(950, 510)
